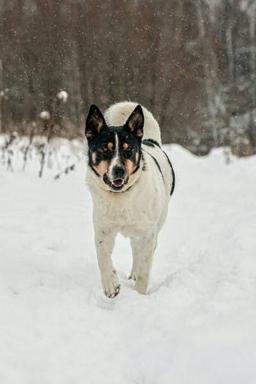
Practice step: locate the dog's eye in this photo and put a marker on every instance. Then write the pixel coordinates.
(128, 153)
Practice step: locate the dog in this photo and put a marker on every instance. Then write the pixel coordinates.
(130, 179)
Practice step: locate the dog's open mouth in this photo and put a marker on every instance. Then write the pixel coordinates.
(117, 184)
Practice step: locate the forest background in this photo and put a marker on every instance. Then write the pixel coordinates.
(192, 63)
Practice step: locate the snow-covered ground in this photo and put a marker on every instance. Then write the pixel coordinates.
(196, 326)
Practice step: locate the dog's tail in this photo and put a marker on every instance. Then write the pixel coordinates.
(118, 113)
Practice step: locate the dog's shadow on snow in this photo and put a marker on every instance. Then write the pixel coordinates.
(166, 283)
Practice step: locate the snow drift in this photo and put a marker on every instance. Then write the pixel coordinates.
(197, 325)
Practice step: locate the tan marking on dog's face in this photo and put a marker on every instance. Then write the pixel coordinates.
(110, 146)
(129, 167)
(125, 146)
(102, 167)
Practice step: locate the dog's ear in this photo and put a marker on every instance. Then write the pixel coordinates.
(135, 122)
(95, 122)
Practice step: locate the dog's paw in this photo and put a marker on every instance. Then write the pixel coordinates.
(141, 285)
(111, 284)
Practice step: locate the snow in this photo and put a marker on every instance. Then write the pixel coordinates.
(63, 96)
(45, 115)
(198, 323)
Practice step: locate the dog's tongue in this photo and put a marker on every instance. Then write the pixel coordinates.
(118, 182)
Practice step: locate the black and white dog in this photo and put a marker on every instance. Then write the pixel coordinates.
(130, 179)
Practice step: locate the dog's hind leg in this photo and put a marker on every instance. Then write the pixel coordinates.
(143, 250)
(104, 240)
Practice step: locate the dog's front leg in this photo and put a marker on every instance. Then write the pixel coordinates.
(143, 250)
(104, 240)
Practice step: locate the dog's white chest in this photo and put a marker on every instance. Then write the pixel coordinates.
(131, 212)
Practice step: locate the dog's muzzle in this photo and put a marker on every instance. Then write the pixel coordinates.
(118, 179)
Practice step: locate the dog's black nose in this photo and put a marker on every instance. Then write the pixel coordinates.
(118, 172)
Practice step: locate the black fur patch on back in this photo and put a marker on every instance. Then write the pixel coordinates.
(153, 143)
(156, 162)
(172, 171)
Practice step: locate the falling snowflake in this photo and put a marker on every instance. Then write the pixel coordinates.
(45, 115)
(63, 96)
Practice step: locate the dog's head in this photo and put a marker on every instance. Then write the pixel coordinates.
(114, 152)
